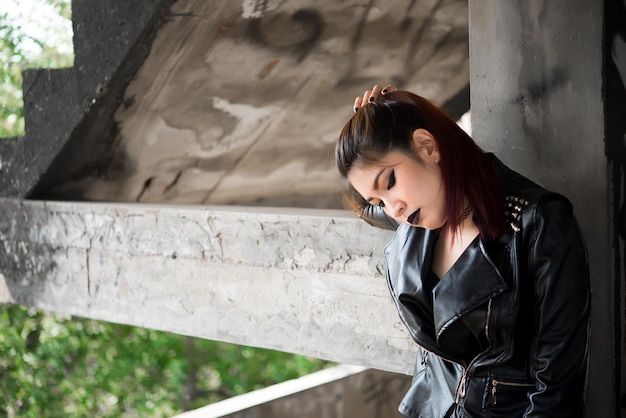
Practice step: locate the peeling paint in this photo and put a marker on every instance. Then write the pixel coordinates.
(254, 9)
(304, 257)
(249, 117)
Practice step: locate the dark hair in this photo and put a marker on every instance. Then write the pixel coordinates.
(388, 123)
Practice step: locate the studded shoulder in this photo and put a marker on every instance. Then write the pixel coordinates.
(514, 207)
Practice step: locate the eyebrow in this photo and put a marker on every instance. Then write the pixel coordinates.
(369, 199)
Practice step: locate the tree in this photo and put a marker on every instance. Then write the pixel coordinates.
(29, 39)
(55, 365)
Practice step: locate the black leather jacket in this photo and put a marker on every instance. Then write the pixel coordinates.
(505, 332)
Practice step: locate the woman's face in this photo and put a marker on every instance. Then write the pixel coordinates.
(409, 189)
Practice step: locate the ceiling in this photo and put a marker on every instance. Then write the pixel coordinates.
(240, 103)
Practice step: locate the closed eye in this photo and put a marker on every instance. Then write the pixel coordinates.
(392, 179)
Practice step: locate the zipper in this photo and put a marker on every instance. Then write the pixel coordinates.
(460, 393)
(495, 383)
(488, 319)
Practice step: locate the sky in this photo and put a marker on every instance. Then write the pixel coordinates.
(39, 20)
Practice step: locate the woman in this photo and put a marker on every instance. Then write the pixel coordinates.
(487, 269)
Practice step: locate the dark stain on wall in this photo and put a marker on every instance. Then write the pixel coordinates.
(296, 34)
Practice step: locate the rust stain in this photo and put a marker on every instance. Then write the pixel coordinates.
(218, 34)
(268, 68)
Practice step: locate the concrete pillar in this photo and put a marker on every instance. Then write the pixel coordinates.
(536, 101)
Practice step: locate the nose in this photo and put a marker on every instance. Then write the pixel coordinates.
(396, 208)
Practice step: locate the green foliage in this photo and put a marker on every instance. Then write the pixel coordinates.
(11, 107)
(58, 366)
(29, 40)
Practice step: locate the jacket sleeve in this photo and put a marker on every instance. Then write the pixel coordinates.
(558, 264)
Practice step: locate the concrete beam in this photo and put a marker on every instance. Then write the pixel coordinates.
(301, 281)
(536, 71)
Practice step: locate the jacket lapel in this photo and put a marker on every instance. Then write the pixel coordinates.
(469, 284)
(408, 257)
(427, 315)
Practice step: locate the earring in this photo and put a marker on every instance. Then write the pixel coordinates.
(437, 162)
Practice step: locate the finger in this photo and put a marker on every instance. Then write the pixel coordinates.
(357, 103)
(375, 92)
(366, 97)
(389, 88)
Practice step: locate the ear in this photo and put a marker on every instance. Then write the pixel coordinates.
(425, 142)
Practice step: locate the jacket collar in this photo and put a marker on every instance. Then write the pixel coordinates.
(409, 260)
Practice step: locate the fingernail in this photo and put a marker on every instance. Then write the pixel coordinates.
(383, 91)
(355, 109)
(371, 99)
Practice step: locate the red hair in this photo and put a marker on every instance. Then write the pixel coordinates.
(388, 123)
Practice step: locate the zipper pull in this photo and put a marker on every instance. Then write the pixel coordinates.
(494, 383)
(460, 393)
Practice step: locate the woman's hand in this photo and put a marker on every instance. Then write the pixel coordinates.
(371, 95)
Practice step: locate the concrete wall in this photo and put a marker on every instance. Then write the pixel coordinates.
(536, 100)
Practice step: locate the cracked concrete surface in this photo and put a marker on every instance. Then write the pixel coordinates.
(222, 273)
